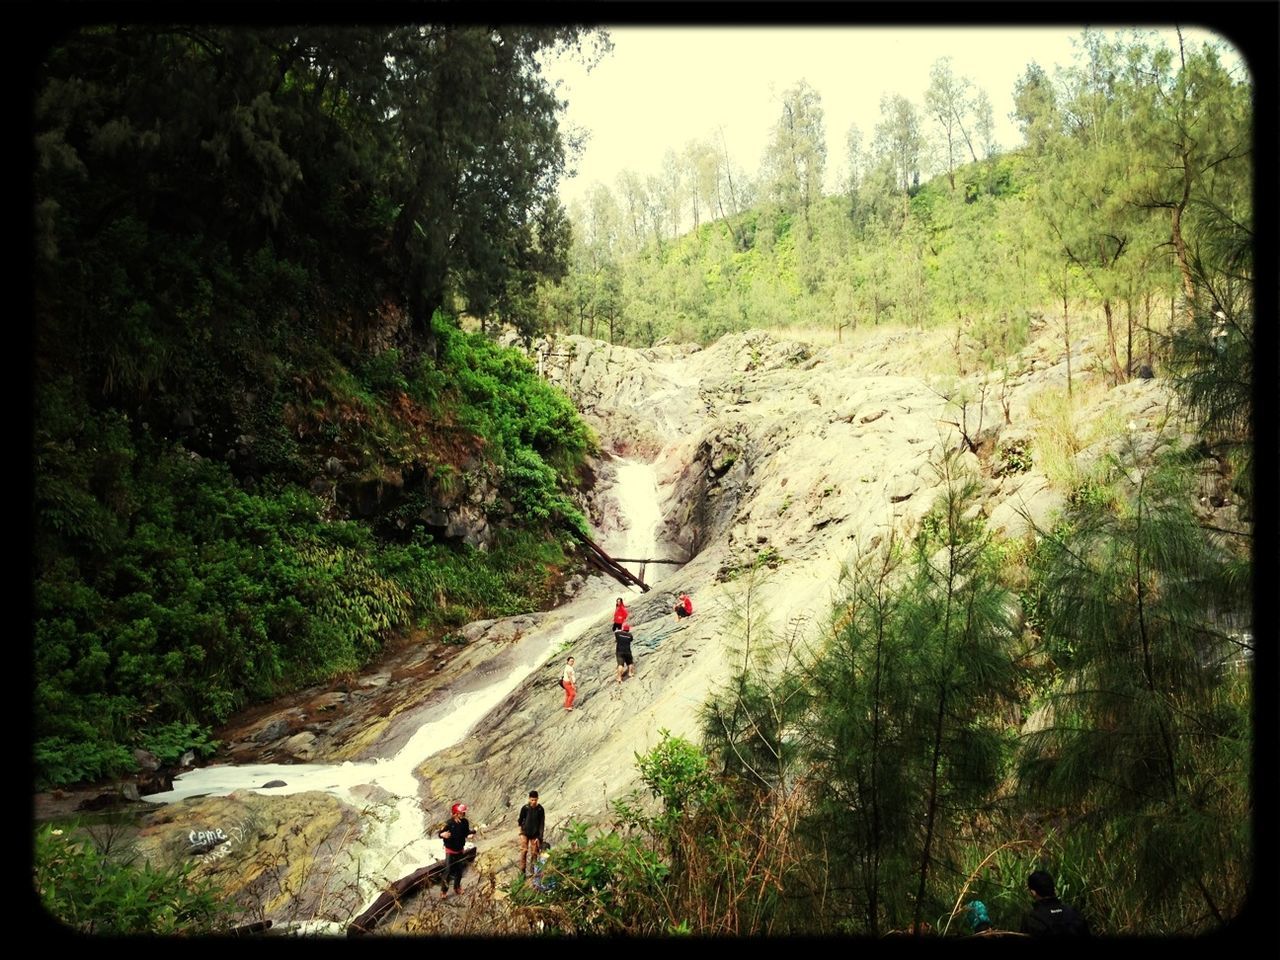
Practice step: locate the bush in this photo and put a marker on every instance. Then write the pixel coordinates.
(97, 894)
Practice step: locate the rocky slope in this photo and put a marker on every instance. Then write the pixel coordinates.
(769, 454)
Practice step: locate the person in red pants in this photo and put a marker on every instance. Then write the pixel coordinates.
(569, 681)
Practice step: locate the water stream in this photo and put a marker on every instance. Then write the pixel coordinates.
(394, 840)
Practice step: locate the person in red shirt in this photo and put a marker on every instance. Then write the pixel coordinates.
(619, 615)
(683, 607)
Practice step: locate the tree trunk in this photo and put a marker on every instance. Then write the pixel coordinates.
(1179, 245)
(1111, 339)
(1066, 340)
(1128, 338)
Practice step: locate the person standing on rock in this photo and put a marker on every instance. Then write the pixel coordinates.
(568, 680)
(455, 834)
(683, 607)
(622, 652)
(532, 819)
(619, 615)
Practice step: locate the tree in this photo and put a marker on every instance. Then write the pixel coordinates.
(795, 158)
(1147, 737)
(898, 140)
(1035, 108)
(903, 730)
(949, 104)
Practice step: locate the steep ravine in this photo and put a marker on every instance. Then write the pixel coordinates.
(764, 451)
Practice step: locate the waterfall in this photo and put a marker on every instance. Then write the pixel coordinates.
(395, 840)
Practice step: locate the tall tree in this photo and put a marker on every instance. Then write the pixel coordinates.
(898, 140)
(1035, 108)
(903, 724)
(949, 103)
(795, 158)
(1147, 736)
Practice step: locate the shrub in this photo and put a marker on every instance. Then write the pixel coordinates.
(98, 894)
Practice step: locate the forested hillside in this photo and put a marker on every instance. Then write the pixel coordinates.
(276, 438)
(262, 445)
(1129, 199)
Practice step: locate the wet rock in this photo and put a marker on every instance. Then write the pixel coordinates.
(301, 745)
(274, 783)
(273, 730)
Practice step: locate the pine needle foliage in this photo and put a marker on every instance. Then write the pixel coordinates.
(904, 732)
(1147, 741)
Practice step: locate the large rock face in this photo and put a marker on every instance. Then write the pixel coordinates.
(770, 456)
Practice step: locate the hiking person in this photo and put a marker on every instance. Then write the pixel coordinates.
(1049, 916)
(568, 680)
(530, 823)
(683, 607)
(457, 830)
(619, 615)
(622, 652)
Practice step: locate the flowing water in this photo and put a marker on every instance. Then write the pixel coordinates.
(394, 840)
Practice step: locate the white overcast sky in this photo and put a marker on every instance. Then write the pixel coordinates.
(663, 86)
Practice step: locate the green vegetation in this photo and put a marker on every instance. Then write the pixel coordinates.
(699, 860)
(262, 445)
(264, 448)
(96, 892)
(1130, 147)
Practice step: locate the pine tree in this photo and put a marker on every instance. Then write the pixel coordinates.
(1147, 744)
(903, 733)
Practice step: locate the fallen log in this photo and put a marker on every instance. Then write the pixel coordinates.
(597, 555)
(391, 897)
(249, 929)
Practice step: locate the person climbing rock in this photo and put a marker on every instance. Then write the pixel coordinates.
(457, 830)
(622, 652)
(683, 607)
(530, 824)
(619, 615)
(568, 680)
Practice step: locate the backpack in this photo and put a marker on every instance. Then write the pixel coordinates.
(561, 683)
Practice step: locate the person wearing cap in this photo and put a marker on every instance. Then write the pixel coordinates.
(1049, 916)
(622, 652)
(457, 830)
(683, 607)
(619, 615)
(530, 823)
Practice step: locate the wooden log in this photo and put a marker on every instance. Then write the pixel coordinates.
(391, 897)
(610, 565)
(249, 929)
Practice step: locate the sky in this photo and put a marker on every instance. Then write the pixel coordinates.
(663, 86)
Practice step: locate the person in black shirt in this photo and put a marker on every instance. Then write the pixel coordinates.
(622, 652)
(530, 824)
(1049, 916)
(455, 834)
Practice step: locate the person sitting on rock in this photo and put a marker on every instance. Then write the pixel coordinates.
(683, 607)
(619, 615)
